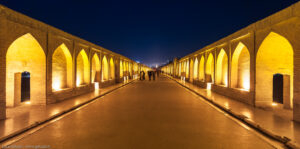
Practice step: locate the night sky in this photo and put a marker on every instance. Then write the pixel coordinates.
(151, 32)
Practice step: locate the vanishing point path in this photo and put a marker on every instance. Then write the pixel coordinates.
(147, 115)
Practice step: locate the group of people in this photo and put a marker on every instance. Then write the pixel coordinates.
(150, 75)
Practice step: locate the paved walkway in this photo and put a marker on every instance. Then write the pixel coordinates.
(147, 115)
(277, 121)
(25, 116)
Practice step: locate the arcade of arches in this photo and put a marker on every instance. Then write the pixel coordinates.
(263, 77)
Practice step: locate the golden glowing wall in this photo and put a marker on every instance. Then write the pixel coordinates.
(222, 68)
(240, 67)
(275, 55)
(61, 68)
(210, 66)
(26, 54)
(112, 68)
(196, 69)
(96, 68)
(82, 69)
(104, 69)
(121, 69)
(191, 68)
(187, 69)
(201, 69)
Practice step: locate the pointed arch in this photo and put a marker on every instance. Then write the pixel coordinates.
(240, 67)
(209, 72)
(82, 68)
(274, 56)
(96, 68)
(104, 69)
(121, 69)
(191, 69)
(196, 68)
(222, 68)
(201, 69)
(25, 54)
(61, 68)
(112, 68)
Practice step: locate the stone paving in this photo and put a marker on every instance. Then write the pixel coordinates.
(22, 117)
(276, 120)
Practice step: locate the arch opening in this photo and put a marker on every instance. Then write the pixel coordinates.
(201, 69)
(82, 71)
(96, 68)
(104, 69)
(240, 68)
(61, 68)
(25, 55)
(222, 68)
(196, 68)
(112, 69)
(209, 72)
(274, 56)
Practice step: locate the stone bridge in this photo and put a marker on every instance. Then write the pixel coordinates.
(258, 65)
(56, 65)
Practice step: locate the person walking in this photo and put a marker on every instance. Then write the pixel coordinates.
(149, 75)
(153, 73)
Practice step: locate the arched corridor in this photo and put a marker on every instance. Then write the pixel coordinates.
(96, 68)
(104, 69)
(240, 67)
(61, 68)
(275, 55)
(209, 70)
(25, 54)
(222, 68)
(82, 69)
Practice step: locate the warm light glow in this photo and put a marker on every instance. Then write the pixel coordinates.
(104, 69)
(112, 68)
(61, 68)
(275, 55)
(222, 67)
(96, 68)
(26, 54)
(208, 86)
(274, 104)
(247, 114)
(240, 68)
(210, 66)
(27, 102)
(82, 69)
(201, 69)
(196, 69)
(96, 85)
(56, 86)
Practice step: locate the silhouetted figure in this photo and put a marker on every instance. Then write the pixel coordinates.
(149, 75)
(157, 73)
(143, 75)
(153, 73)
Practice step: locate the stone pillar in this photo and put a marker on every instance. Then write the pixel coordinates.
(17, 89)
(286, 92)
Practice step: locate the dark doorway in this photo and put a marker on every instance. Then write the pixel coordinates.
(278, 88)
(25, 86)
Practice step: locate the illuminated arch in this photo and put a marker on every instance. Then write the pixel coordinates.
(191, 69)
(275, 55)
(104, 69)
(61, 68)
(222, 68)
(201, 69)
(121, 69)
(96, 68)
(210, 68)
(26, 54)
(112, 68)
(196, 68)
(187, 68)
(240, 67)
(82, 69)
